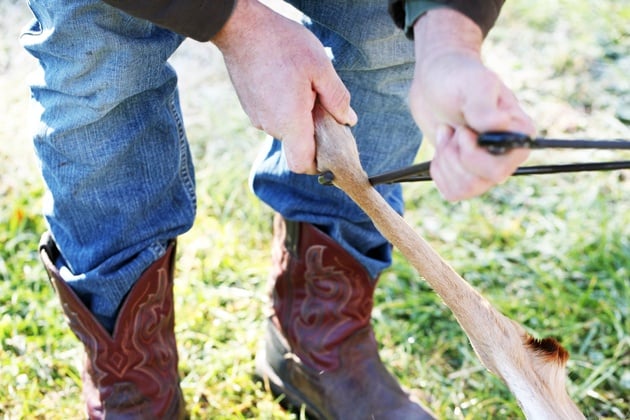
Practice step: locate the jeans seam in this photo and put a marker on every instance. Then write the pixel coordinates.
(184, 172)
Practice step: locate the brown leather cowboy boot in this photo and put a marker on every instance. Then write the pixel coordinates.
(131, 373)
(320, 349)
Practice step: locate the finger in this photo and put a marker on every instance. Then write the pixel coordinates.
(519, 119)
(443, 137)
(300, 153)
(445, 169)
(299, 145)
(334, 96)
(498, 109)
(486, 107)
(479, 162)
(455, 183)
(449, 174)
(291, 122)
(423, 112)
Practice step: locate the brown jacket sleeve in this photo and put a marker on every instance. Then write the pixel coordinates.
(197, 19)
(483, 12)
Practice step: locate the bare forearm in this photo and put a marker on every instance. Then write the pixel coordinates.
(445, 31)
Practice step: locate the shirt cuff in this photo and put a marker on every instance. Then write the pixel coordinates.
(197, 19)
(414, 9)
(483, 12)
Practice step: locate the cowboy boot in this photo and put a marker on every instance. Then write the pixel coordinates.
(320, 349)
(132, 372)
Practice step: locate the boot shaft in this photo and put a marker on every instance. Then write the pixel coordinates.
(132, 372)
(320, 350)
(321, 295)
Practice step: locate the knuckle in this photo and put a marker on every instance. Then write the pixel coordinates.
(294, 167)
(499, 174)
(297, 166)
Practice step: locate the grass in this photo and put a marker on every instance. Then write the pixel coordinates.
(552, 252)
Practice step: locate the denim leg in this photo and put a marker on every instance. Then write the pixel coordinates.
(111, 142)
(375, 61)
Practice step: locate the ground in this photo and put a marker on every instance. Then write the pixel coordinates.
(552, 252)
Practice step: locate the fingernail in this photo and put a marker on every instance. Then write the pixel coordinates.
(441, 135)
(352, 116)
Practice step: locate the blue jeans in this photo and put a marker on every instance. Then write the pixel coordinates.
(114, 152)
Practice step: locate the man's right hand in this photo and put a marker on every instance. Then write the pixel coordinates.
(279, 69)
(453, 97)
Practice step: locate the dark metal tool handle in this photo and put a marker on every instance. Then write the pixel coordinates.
(418, 172)
(501, 142)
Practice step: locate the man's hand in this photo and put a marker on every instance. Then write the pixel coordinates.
(279, 69)
(453, 97)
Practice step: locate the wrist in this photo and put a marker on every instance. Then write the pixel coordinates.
(243, 20)
(441, 31)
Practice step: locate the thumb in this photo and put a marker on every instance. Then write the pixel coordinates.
(499, 110)
(299, 145)
(334, 96)
(485, 107)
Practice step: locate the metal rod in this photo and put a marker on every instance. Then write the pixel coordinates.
(420, 172)
(500, 142)
(616, 144)
(572, 167)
